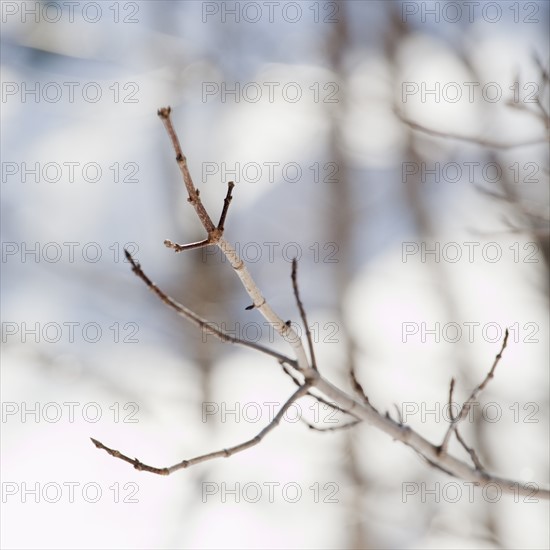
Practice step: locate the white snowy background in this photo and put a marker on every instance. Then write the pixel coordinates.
(148, 393)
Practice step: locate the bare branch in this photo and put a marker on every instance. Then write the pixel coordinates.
(335, 397)
(138, 465)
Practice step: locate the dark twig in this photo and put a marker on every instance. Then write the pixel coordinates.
(226, 203)
(357, 388)
(330, 404)
(451, 390)
(302, 312)
(138, 465)
(331, 428)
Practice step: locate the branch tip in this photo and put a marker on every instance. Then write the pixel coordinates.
(128, 256)
(164, 112)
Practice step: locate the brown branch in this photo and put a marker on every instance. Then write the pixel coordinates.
(302, 312)
(451, 390)
(138, 465)
(468, 403)
(199, 321)
(194, 198)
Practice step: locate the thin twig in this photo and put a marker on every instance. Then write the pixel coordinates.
(451, 390)
(226, 203)
(138, 465)
(470, 451)
(331, 405)
(194, 198)
(182, 247)
(468, 403)
(357, 386)
(331, 428)
(199, 321)
(302, 312)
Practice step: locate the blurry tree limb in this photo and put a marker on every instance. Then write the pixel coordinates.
(469, 139)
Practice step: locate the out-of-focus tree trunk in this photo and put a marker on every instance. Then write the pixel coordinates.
(339, 216)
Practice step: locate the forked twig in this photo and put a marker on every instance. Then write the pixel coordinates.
(317, 398)
(469, 450)
(468, 403)
(215, 236)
